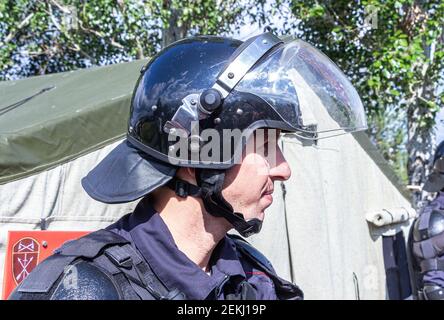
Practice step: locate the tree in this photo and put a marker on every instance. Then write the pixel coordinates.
(190, 17)
(46, 36)
(39, 37)
(393, 53)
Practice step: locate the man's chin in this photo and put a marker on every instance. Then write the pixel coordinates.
(257, 215)
(266, 201)
(260, 216)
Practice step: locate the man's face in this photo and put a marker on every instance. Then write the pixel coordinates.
(249, 186)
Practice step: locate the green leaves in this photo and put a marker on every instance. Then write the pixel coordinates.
(62, 35)
(316, 11)
(384, 47)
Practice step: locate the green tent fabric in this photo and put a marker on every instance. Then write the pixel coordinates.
(79, 112)
(316, 232)
(62, 116)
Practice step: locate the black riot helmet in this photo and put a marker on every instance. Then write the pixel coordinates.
(202, 87)
(435, 180)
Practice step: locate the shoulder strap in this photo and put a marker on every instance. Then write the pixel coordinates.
(43, 277)
(125, 259)
(111, 253)
(90, 245)
(115, 254)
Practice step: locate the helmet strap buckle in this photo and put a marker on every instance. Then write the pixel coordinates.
(181, 188)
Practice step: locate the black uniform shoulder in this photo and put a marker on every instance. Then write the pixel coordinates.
(85, 281)
(80, 280)
(285, 290)
(71, 272)
(246, 248)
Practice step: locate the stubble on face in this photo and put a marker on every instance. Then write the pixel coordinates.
(247, 185)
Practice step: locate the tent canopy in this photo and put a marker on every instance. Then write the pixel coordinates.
(315, 234)
(89, 106)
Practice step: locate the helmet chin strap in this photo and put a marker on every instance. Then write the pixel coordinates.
(209, 189)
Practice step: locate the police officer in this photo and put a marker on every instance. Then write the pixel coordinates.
(427, 237)
(202, 154)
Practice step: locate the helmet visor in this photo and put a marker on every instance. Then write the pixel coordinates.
(310, 93)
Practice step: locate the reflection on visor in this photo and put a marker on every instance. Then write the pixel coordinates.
(310, 94)
(313, 84)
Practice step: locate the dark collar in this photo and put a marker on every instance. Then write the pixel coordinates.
(153, 239)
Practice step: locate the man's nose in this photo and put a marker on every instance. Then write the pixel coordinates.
(281, 170)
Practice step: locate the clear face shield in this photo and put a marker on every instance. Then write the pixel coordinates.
(270, 83)
(311, 94)
(303, 86)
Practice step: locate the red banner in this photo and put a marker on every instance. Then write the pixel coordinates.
(26, 249)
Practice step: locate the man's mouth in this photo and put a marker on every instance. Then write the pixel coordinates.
(268, 194)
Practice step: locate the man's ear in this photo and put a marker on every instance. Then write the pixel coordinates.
(187, 174)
